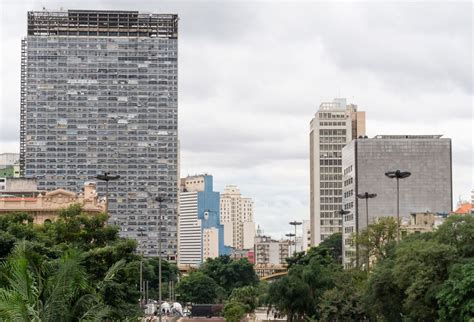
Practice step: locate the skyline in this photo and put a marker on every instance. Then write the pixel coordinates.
(255, 155)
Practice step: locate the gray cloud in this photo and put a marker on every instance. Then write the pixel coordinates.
(252, 75)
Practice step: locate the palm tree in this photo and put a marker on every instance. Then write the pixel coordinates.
(37, 289)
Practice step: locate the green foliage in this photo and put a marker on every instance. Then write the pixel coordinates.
(456, 296)
(234, 311)
(373, 241)
(247, 295)
(334, 244)
(197, 288)
(344, 302)
(458, 231)
(40, 290)
(298, 294)
(230, 274)
(420, 269)
(109, 262)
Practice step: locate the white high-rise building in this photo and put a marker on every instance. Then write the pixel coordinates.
(237, 218)
(334, 125)
(306, 236)
(200, 233)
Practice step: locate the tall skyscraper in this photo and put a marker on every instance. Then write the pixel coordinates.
(365, 162)
(200, 233)
(237, 217)
(99, 94)
(333, 126)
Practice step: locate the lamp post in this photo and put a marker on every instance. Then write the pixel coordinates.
(107, 177)
(366, 195)
(289, 236)
(160, 200)
(295, 223)
(398, 174)
(141, 229)
(342, 212)
(206, 226)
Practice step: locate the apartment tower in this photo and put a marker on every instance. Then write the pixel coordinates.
(237, 218)
(99, 94)
(334, 125)
(200, 232)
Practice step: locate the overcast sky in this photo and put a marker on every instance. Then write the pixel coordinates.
(252, 75)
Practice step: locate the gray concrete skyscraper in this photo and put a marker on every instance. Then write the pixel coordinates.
(334, 125)
(99, 93)
(365, 162)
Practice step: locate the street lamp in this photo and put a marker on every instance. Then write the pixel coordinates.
(107, 177)
(342, 212)
(366, 195)
(141, 230)
(289, 236)
(398, 174)
(206, 227)
(295, 223)
(160, 200)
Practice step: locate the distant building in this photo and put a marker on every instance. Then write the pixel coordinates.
(306, 235)
(9, 165)
(200, 233)
(45, 206)
(23, 187)
(422, 222)
(334, 125)
(464, 208)
(237, 218)
(365, 162)
(9, 159)
(271, 252)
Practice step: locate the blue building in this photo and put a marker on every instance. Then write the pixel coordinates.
(200, 232)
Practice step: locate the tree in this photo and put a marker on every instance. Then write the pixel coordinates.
(298, 294)
(373, 240)
(383, 298)
(344, 301)
(334, 244)
(456, 296)
(247, 295)
(229, 273)
(234, 311)
(458, 231)
(421, 267)
(41, 290)
(197, 288)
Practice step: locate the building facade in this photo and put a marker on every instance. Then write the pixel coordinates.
(306, 235)
(365, 162)
(99, 94)
(9, 165)
(200, 233)
(333, 126)
(46, 205)
(271, 252)
(237, 218)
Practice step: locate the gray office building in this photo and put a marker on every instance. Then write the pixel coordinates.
(365, 162)
(99, 94)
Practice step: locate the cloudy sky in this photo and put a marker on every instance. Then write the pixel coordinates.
(252, 75)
